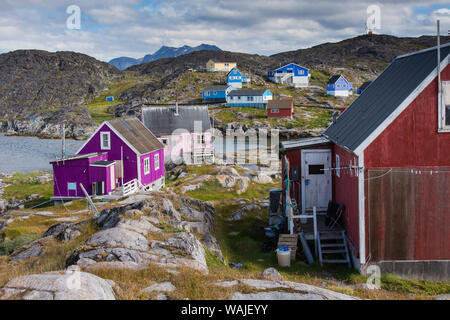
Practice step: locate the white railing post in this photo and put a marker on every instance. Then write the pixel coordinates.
(316, 243)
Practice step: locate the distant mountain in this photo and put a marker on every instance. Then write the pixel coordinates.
(123, 63)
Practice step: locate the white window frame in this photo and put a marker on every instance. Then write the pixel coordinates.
(445, 101)
(146, 165)
(102, 146)
(275, 110)
(338, 166)
(156, 161)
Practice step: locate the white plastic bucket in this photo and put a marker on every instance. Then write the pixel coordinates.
(284, 258)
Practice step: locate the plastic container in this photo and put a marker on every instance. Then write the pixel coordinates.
(284, 256)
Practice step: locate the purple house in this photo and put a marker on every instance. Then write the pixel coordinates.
(121, 157)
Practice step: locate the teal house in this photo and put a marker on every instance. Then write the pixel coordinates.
(235, 78)
(217, 93)
(249, 98)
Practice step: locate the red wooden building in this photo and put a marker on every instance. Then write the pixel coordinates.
(387, 159)
(280, 108)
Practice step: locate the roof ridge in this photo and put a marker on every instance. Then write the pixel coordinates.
(422, 51)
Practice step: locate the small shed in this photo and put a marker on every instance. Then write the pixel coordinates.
(280, 108)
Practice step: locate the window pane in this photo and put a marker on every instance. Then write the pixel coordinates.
(447, 115)
(316, 169)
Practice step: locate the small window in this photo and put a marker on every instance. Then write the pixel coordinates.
(315, 169)
(275, 110)
(146, 165)
(207, 93)
(338, 165)
(249, 98)
(445, 105)
(215, 92)
(105, 140)
(156, 162)
(164, 141)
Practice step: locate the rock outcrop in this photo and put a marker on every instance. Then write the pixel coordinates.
(125, 239)
(71, 285)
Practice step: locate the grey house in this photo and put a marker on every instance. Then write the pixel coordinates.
(185, 131)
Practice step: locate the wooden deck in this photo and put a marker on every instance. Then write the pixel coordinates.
(308, 227)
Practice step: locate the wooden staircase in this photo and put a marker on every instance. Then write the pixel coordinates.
(332, 247)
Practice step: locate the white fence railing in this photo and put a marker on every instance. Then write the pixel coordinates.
(130, 187)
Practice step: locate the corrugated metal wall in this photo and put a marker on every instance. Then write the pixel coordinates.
(408, 213)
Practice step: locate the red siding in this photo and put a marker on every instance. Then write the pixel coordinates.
(281, 113)
(345, 191)
(417, 199)
(412, 139)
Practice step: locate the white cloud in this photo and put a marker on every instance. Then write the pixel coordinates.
(112, 28)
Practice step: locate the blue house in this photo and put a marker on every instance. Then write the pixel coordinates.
(292, 74)
(338, 86)
(216, 93)
(110, 99)
(235, 78)
(249, 98)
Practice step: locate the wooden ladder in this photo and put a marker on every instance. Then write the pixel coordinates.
(332, 247)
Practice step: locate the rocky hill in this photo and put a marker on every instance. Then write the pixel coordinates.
(38, 85)
(39, 89)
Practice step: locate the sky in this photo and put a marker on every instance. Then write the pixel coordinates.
(134, 28)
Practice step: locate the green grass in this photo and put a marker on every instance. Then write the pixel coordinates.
(100, 111)
(8, 246)
(411, 286)
(24, 185)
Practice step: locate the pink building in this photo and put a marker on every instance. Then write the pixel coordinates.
(185, 132)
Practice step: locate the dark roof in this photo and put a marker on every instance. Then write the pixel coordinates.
(162, 120)
(333, 79)
(383, 96)
(280, 104)
(365, 85)
(136, 134)
(216, 88)
(304, 143)
(249, 92)
(102, 163)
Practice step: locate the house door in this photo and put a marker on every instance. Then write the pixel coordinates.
(100, 188)
(316, 179)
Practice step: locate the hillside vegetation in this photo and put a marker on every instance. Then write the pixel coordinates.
(39, 89)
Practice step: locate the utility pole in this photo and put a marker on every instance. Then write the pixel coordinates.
(63, 137)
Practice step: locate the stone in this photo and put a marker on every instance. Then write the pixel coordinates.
(119, 237)
(276, 295)
(59, 286)
(271, 274)
(169, 210)
(242, 184)
(228, 171)
(443, 297)
(236, 216)
(33, 251)
(262, 178)
(227, 284)
(161, 297)
(142, 226)
(57, 229)
(161, 287)
(191, 187)
(68, 235)
(251, 207)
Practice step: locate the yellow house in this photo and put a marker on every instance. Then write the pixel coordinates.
(213, 66)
